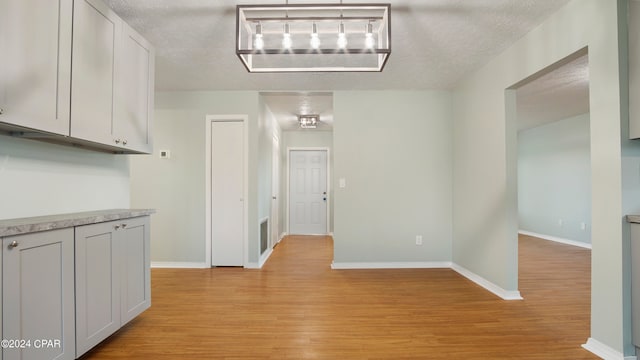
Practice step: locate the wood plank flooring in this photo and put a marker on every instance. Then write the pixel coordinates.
(296, 307)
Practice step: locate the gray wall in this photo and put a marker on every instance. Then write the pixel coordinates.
(38, 178)
(554, 179)
(176, 187)
(485, 158)
(305, 138)
(394, 150)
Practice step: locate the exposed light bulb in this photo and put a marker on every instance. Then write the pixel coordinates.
(286, 37)
(342, 37)
(369, 41)
(258, 43)
(315, 40)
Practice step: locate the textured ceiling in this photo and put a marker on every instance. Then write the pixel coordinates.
(557, 95)
(287, 106)
(434, 43)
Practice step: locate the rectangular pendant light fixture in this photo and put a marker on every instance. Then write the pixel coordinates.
(313, 37)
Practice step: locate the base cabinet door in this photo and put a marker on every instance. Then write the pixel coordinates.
(135, 280)
(97, 284)
(38, 295)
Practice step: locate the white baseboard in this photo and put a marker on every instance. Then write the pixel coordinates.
(264, 257)
(604, 351)
(556, 239)
(252, 265)
(178, 265)
(391, 265)
(282, 236)
(497, 290)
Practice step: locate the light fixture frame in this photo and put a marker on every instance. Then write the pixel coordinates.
(378, 55)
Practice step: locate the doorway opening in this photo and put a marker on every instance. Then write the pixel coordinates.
(550, 149)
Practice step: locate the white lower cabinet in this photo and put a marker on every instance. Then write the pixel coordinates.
(97, 285)
(64, 291)
(38, 296)
(112, 278)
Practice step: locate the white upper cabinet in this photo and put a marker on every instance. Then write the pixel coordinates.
(75, 70)
(35, 65)
(134, 100)
(96, 31)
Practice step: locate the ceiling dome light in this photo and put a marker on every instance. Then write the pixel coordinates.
(258, 43)
(286, 37)
(315, 40)
(369, 41)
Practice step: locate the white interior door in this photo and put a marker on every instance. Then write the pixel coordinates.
(308, 192)
(275, 192)
(227, 183)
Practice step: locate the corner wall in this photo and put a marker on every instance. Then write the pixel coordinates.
(554, 179)
(176, 186)
(393, 148)
(485, 238)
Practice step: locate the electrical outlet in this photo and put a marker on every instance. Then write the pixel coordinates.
(418, 239)
(583, 226)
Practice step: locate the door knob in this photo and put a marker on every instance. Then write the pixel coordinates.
(273, 197)
(13, 244)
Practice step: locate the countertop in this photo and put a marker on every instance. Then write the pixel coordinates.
(43, 223)
(633, 219)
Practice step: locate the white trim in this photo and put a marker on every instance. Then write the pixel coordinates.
(604, 351)
(264, 257)
(209, 119)
(179, 265)
(391, 265)
(556, 239)
(282, 236)
(328, 150)
(497, 290)
(252, 265)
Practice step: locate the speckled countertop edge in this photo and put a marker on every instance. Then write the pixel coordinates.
(43, 223)
(633, 219)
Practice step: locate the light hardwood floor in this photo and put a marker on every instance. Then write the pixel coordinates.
(296, 307)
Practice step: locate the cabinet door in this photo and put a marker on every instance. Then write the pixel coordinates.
(35, 66)
(134, 103)
(136, 284)
(96, 35)
(38, 294)
(97, 284)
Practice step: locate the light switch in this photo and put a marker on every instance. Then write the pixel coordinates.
(342, 183)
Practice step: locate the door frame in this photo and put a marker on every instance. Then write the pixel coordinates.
(209, 120)
(289, 150)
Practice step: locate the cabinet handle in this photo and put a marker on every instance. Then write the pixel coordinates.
(117, 141)
(124, 226)
(1, 111)
(124, 142)
(117, 227)
(13, 244)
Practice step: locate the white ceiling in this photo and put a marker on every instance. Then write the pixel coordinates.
(435, 43)
(559, 94)
(287, 106)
